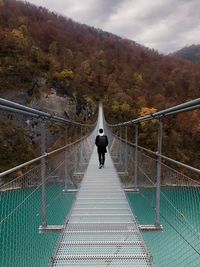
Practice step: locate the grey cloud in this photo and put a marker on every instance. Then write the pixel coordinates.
(162, 27)
(101, 10)
(104, 8)
(165, 25)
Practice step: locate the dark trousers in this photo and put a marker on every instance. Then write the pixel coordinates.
(101, 158)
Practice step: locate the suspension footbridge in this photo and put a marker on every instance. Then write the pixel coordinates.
(74, 214)
(101, 229)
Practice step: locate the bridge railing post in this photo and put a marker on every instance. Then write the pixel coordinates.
(76, 151)
(159, 159)
(66, 169)
(136, 157)
(43, 172)
(120, 149)
(126, 149)
(84, 152)
(81, 146)
(118, 143)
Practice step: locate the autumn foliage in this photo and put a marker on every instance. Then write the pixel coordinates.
(90, 63)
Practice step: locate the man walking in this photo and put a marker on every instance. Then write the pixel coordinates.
(101, 142)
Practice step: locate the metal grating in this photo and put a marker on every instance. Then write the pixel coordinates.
(100, 211)
(106, 262)
(101, 230)
(90, 248)
(101, 205)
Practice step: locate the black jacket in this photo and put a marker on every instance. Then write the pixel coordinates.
(101, 149)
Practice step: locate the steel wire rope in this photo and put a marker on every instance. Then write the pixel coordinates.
(26, 198)
(189, 225)
(53, 201)
(198, 252)
(180, 213)
(5, 218)
(170, 224)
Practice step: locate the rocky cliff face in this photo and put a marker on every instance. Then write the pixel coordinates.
(50, 100)
(55, 104)
(20, 135)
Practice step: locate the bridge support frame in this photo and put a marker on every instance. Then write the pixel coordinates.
(43, 172)
(76, 151)
(136, 156)
(120, 148)
(126, 150)
(66, 170)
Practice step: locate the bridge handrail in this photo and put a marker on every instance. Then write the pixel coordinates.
(18, 108)
(188, 106)
(46, 154)
(160, 155)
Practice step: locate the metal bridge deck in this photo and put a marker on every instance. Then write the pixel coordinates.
(101, 230)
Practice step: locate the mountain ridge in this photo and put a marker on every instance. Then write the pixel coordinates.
(56, 43)
(190, 53)
(41, 51)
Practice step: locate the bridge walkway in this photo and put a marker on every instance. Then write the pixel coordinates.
(101, 229)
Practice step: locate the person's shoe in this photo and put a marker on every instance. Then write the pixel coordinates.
(103, 165)
(100, 166)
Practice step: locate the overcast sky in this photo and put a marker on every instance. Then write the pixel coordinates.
(165, 25)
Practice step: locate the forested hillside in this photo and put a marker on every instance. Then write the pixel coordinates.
(40, 50)
(191, 53)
